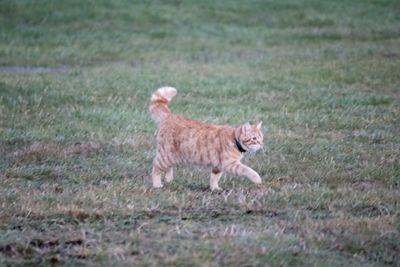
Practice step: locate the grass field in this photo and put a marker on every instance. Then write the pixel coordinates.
(76, 143)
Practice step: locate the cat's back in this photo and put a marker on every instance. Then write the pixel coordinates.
(181, 129)
(175, 122)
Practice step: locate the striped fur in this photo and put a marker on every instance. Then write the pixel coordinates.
(183, 140)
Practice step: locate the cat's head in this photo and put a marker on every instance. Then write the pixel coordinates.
(250, 136)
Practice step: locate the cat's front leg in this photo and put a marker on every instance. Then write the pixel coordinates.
(215, 176)
(240, 169)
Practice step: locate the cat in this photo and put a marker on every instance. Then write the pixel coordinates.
(183, 140)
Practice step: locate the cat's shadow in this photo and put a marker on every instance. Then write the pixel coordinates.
(195, 188)
(188, 187)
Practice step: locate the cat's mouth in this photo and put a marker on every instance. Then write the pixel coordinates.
(254, 148)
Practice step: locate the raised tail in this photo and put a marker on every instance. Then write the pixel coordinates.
(159, 103)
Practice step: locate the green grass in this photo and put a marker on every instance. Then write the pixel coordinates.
(76, 146)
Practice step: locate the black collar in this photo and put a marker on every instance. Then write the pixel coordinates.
(239, 146)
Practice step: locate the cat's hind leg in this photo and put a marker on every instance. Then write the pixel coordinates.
(169, 175)
(156, 177)
(159, 168)
(215, 176)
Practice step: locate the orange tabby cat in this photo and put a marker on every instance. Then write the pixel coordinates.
(183, 140)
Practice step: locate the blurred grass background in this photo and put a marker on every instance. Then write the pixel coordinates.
(77, 141)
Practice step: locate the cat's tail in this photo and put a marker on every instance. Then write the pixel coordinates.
(159, 103)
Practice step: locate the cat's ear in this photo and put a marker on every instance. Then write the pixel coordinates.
(246, 127)
(259, 125)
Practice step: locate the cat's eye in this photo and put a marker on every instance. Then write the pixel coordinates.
(254, 138)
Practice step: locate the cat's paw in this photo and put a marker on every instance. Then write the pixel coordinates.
(257, 180)
(157, 185)
(216, 189)
(168, 178)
